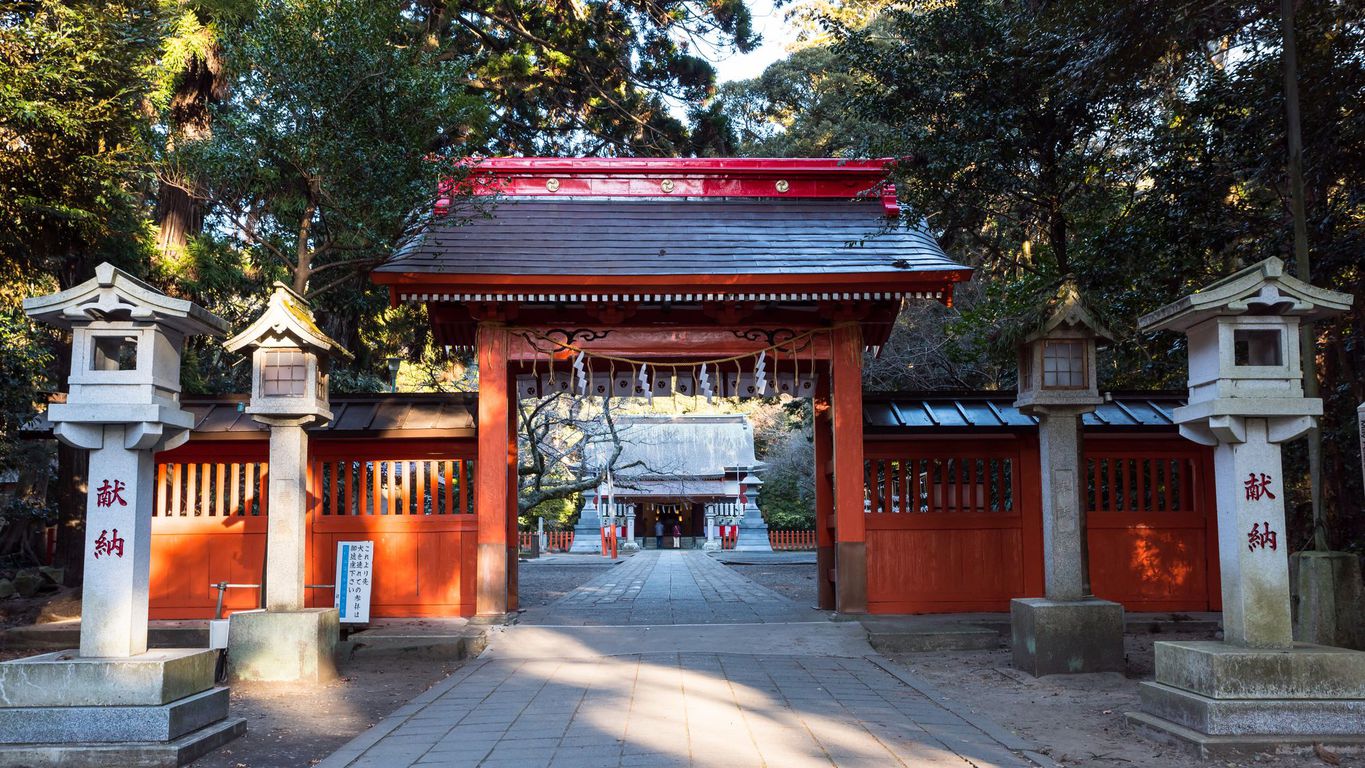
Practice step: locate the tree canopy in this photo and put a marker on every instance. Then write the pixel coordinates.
(1140, 148)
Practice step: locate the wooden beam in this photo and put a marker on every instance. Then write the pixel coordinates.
(680, 344)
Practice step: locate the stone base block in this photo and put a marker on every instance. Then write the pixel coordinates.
(73, 725)
(1254, 717)
(1219, 670)
(284, 645)
(587, 536)
(1207, 747)
(182, 751)
(64, 679)
(1329, 605)
(1053, 637)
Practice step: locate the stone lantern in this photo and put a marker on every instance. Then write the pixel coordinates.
(1257, 686)
(1069, 629)
(290, 360)
(753, 530)
(123, 405)
(587, 533)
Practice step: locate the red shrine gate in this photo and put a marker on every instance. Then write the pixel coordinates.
(648, 277)
(681, 275)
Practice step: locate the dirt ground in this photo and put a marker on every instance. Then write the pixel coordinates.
(794, 581)
(1078, 718)
(543, 581)
(291, 725)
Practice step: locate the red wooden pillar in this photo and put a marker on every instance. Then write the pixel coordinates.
(491, 482)
(513, 509)
(513, 491)
(824, 498)
(850, 549)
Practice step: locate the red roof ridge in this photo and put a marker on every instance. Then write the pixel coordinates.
(665, 177)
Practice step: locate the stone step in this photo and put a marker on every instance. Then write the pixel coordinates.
(418, 639)
(914, 634)
(58, 725)
(60, 635)
(147, 754)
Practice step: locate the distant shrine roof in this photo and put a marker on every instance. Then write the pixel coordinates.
(679, 448)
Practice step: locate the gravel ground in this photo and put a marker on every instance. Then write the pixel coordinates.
(541, 582)
(292, 725)
(794, 581)
(1078, 719)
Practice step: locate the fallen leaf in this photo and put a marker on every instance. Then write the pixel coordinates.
(1326, 755)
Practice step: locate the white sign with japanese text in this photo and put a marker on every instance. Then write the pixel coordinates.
(355, 573)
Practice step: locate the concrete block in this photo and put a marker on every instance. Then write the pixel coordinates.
(1052, 637)
(1223, 671)
(1328, 599)
(67, 725)
(150, 754)
(63, 679)
(283, 646)
(1241, 717)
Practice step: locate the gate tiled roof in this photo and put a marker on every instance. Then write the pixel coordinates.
(648, 236)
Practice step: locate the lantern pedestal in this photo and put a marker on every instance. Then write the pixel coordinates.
(753, 531)
(281, 646)
(1215, 698)
(587, 532)
(158, 708)
(1061, 637)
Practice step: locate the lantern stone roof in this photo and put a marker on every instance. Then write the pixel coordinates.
(1260, 289)
(287, 315)
(1068, 311)
(115, 295)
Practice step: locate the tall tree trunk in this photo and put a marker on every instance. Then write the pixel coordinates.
(179, 215)
(1302, 265)
(303, 258)
(179, 218)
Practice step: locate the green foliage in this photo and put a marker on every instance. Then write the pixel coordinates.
(586, 78)
(1137, 147)
(72, 123)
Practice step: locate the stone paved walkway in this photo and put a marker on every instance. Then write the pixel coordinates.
(670, 587)
(765, 692)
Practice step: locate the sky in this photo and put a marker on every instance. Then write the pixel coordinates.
(776, 33)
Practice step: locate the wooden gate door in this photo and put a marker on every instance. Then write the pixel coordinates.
(208, 525)
(414, 502)
(1152, 529)
(948, 527)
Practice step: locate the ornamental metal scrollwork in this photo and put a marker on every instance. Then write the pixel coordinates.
(586, 334)
(772, 337)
